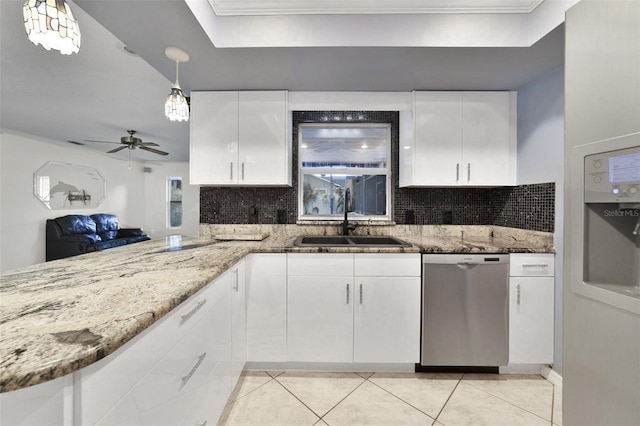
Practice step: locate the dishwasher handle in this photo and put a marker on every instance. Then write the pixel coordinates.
(466, 265)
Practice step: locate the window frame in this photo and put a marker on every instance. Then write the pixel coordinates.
(348, 171)
(171, 179)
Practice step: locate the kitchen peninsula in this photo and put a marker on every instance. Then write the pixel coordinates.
(61, 316)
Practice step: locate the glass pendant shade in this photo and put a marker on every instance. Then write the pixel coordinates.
(51, 24)
(176, 107)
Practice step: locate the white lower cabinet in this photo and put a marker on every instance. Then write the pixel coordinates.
(387, 320)
(320, 318)
(238, 321)
(48, 403)
(531, 309)
(266, 316)
(193, 378)
(338, 313)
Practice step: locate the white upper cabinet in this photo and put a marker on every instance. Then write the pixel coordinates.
(488, 152)
(462, 138)
(239, 138)
(438, 131)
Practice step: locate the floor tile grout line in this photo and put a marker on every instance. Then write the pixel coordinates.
(400, 399)
(251, 391)
(345, 397)
(553, 403)
(511, 403)
(299, 400)
(448, 399)
(309, 408)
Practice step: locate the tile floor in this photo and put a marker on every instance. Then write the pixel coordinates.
(297, 398)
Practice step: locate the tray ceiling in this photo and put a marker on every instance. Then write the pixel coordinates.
(324, 7)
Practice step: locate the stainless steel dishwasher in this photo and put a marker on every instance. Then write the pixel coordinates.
(465, 308)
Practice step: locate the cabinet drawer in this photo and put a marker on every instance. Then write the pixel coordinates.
(387, 265)
(320, 264)
(531, 265)
(105, 381)
(166, 394)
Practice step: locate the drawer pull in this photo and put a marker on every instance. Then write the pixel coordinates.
(185, 379)
(186, 317)
(518, 294)
(361, 293)
(347, 293)
(235, 281)
(535, 265)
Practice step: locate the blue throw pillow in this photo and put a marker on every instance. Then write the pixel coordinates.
(76, 224)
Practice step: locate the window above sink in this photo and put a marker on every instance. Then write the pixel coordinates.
(334, 157)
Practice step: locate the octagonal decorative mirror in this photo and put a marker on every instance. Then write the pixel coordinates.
(68, 186)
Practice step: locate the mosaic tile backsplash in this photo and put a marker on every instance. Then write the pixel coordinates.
(526, 206)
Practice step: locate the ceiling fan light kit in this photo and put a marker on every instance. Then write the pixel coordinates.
(176, 107)
(51, 24)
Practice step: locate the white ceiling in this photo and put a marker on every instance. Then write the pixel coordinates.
(102, 91)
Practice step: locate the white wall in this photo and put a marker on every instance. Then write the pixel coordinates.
(23, 216)
(157, 210)
(541, 159)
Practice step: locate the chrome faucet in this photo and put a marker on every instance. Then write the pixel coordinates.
(346, 226)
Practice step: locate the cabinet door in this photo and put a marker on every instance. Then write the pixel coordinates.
(320, 319)
(264, 158)
(266, 307)
(438, 132)
(43, 404)
(174, 385)
(531, 320)
(238, 322)
(487, 152)
(213, 143)
(387, 319)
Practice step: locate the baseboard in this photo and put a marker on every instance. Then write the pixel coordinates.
(330, 367)
(520, 369)
(552, 376)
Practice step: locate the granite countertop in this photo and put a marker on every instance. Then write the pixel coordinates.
(60, 316)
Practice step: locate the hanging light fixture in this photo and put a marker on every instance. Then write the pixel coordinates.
(51, 24)
(176, 107)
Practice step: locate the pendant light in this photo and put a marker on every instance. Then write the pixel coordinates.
(176, 107)
(51, 24)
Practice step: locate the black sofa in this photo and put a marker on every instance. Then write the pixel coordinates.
(74, 234)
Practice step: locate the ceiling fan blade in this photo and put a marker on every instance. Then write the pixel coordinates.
(120, 148)
(149, 144)
(87, 140)
(155, 151)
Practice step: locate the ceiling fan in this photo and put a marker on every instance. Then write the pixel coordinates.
(132, 143)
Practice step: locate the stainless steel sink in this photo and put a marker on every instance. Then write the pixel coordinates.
(342, 241)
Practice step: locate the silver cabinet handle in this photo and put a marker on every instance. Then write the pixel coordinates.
(236, 284)
(185, 379)
(468, 172)
(231, 170)
(535, 265)
(184, 318)
(242, 171)
(347, 293)
(457, 172)
(518, 294)
(361, 293)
